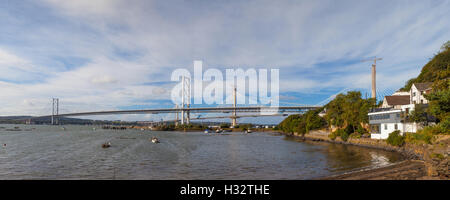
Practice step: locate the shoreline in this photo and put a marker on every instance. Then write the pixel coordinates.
(417, 164)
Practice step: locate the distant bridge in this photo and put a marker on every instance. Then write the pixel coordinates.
(281, 109)
(252, 109)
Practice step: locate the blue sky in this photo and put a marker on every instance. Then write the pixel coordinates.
(117, 54)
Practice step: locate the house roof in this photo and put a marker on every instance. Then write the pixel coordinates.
(423, 86)
(397, 100)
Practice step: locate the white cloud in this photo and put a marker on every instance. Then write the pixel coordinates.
(127, 44)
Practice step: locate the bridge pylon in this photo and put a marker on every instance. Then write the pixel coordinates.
(55, 111)
(234, 118)
(185, 100)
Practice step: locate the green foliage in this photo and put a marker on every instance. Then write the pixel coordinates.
(419, 138)
(289, 124)
(333, 135)
(396, 139)
(348, 110)
(345, 136)
(436, 70)
(438, 156)
(445, 125)
(356, 135)
(426, 134)
(302, 124)
(445, 46)
(339, 132)
(418, 114)
(439, 105)
(361, 130)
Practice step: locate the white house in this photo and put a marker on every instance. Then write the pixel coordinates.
(417, 93)
(391, 115)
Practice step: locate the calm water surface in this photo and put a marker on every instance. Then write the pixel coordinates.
(49, 152)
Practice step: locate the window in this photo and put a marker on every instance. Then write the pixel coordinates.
(396, 126)
(380, 117)
(414, 94)
(385, 126)
(421, 101)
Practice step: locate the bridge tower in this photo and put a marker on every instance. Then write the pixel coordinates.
(185, 100)
(234, 118)
(55, 111)
(374, 76)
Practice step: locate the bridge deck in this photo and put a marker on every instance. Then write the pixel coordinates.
(280, 109)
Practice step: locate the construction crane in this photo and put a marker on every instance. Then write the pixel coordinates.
(374, 71)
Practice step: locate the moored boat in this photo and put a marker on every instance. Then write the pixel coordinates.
(106, 145)
(155, 140)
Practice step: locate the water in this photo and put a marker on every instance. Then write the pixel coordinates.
(49, 152)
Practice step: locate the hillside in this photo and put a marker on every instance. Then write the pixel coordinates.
(436, 70)
(348, 112)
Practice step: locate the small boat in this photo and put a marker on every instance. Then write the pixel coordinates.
(219, 131)
(206, 131)
(142, 129)
(155, 140)
(248, 131)
(106, 145)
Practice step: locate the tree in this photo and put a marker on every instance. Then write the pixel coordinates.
(349, 111)
(439, 105)
(418, 115)
(304, 123)
(445, 46)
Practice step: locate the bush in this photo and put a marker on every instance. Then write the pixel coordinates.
(418, 138)
(396, 139)
(332, 135)
(356, 135)
(445, 125)
(423, 136)
(361, 130)
(339, 132)
(344, 136)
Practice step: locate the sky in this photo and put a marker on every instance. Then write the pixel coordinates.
(118, 54)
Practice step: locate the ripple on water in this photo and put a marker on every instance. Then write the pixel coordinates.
(51, 153)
